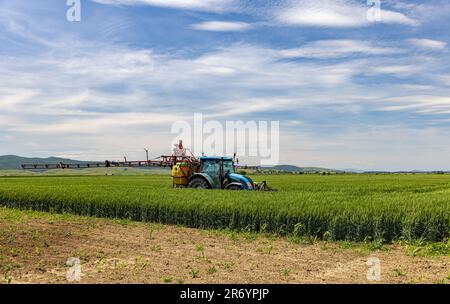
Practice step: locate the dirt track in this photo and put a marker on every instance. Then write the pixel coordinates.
(34, 248)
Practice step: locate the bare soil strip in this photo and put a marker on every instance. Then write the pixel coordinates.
(34, 248)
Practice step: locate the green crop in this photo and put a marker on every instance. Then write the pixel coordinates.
(341, 207)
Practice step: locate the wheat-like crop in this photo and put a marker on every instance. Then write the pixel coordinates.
(342, 207)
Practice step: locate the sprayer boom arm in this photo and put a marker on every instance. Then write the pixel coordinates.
(164, 161)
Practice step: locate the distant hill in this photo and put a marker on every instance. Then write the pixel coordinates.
(14, 162)
(351, 170)
(290, 168)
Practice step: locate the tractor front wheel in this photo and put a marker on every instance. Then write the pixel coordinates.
(233, 187)
(199, 183)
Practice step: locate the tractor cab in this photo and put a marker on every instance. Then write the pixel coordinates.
(218, 168)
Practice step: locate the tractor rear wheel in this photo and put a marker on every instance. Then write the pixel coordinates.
(199, 183)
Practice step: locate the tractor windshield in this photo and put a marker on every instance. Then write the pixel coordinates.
(228, 166)
(211, 167)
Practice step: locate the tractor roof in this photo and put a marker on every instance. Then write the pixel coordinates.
(215, 158)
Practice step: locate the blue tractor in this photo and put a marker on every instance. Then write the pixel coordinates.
(220, 173)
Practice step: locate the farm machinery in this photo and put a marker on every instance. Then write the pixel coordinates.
(188, 171)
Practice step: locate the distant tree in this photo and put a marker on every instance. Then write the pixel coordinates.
(242, 172)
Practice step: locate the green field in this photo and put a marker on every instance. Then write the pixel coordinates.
(336, 207)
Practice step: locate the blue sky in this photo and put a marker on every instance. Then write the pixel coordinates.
(348, 92)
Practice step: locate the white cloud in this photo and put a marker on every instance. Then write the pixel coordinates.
(416, 87)
(336, 13)
(400, 70)
(422, 104)
(119, 63)
(324, 13)
(388, 16)
(201, 5)
(426, 12)
(306, 13)
(222, 26)
(428, 44)
(113, 122)
(10, 98)
(83, 84)
(338, 48)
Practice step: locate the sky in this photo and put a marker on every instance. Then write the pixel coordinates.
(350, 88)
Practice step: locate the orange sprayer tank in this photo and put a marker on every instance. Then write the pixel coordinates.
(180, 174)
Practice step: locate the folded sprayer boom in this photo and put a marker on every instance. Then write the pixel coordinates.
(163, 161)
